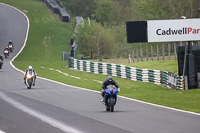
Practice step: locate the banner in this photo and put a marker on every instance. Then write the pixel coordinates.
(173, 30)
(163, 30)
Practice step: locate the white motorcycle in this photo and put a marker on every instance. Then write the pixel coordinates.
(11, 48)
(29, 79)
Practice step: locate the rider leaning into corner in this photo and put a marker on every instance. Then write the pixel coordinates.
(30, 69)
(108, 81)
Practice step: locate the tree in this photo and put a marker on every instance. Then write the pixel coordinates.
(95, 39)
(79, 7)
(168, 9)
(103, 11)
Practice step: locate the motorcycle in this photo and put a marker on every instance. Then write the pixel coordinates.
(110, 97)
(6, 53)
(1, 64)
(29, 79)
(11, 48)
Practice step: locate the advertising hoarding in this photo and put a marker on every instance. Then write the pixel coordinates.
(173, 30)
(163, 30)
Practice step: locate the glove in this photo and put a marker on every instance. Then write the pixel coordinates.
(102, 90)
(118, 89)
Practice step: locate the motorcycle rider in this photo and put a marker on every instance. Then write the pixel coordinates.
(30, 68)
(6, 48)
(108, 81)
(10, 43)
(1, 61)
(1, 57)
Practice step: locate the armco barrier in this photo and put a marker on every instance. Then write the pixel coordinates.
(57, 8)
(158, 77)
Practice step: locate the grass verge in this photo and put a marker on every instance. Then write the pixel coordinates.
(48, 37)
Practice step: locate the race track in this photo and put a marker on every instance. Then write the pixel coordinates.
(52, 107)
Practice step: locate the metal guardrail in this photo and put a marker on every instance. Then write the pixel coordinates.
(57, 8)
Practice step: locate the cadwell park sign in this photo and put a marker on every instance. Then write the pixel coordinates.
(174, 30)
(163, 30)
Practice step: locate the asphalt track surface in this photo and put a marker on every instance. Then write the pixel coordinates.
(51, 107)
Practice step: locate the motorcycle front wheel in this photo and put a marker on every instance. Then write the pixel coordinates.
(112, 103)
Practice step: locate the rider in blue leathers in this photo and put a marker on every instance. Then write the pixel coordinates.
(108, 81)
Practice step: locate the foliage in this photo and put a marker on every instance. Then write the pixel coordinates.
(94, 39)
(79, 7)
(113, 14)
(168, 9)
(186, 100)
(103, 11)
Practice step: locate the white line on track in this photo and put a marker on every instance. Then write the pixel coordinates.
(28, 110)
(39, 115)
(161, 106)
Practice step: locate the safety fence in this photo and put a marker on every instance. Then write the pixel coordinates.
(57, 8)
(158, 77)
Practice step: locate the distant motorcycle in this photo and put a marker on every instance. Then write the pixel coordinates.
(11, 48)
(6, 53)
(29, 79)
(1, 64)
(110, 97)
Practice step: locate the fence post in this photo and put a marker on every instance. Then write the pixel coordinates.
(133, 56)
(198, 80)
(147, 55)
(129, 56)
(169, 50)
(175, 54)
(141, 53)
(151, 53)
(157, 53)
(163, 51)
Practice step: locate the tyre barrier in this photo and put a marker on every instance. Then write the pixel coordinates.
(162, 78)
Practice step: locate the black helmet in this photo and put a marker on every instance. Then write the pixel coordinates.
(110, 79)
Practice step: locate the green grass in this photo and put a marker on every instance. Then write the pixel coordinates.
(170, 65)
(48, 37)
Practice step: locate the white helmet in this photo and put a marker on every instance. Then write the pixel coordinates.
(30, 67)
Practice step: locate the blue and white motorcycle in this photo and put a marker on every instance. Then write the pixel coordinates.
(110, 97)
